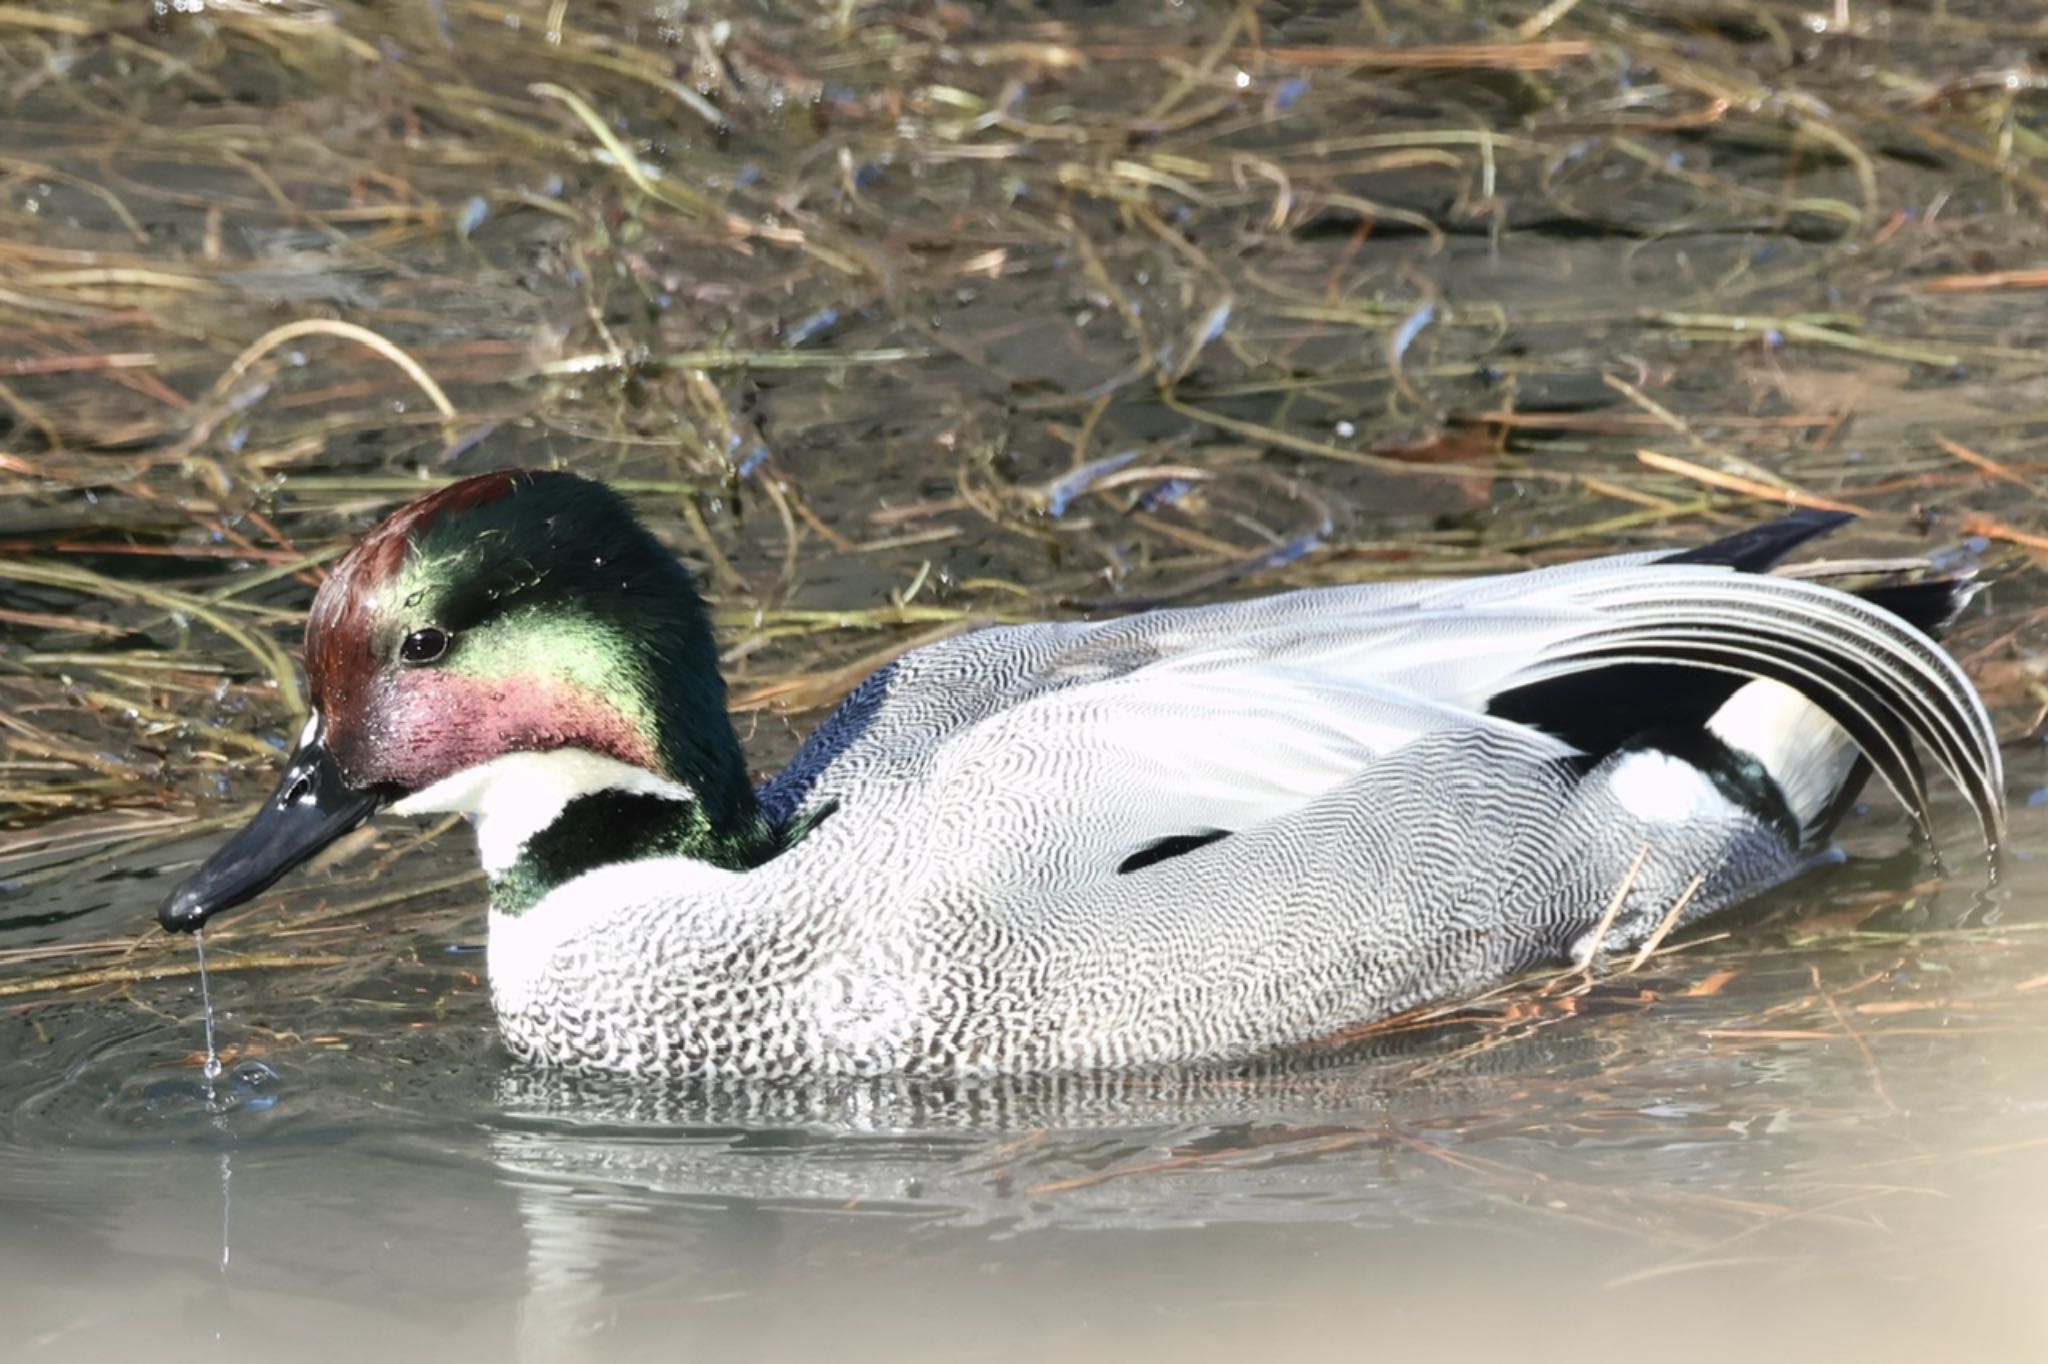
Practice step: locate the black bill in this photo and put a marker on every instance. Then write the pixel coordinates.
(311, 807)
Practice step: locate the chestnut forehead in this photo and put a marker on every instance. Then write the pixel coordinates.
(350, 601)
(382, 568)
(376, 577)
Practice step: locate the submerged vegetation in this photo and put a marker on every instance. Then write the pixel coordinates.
(903, 318)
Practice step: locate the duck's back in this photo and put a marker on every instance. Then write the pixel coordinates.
(1198, 834)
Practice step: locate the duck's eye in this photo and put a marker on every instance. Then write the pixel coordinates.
(424, 646)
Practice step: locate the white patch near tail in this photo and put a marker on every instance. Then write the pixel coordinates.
(1660, 789)
(1806, 753)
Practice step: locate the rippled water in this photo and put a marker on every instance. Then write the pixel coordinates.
(1816, 1145)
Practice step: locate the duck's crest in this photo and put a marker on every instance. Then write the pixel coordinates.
(379, 556)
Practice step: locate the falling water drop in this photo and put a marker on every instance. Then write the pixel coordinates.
(225, 1173)
(212, 1070)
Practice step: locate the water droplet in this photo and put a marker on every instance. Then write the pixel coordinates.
(212, 1068)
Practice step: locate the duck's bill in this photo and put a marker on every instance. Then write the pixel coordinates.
(311, 807)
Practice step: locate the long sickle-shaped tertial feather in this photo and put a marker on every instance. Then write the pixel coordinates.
(1882, 681)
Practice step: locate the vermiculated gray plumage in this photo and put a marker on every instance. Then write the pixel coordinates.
(1386, 841)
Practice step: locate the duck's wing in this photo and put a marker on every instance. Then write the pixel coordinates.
(1057, 753)
(1156, 674)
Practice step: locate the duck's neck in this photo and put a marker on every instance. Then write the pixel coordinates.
(610, 826)
(543, 819)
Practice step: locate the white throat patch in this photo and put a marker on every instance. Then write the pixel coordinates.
(515, 795)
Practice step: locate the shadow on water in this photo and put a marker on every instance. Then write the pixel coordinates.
(899, 319)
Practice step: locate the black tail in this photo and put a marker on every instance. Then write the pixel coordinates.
(1930, 605)
(1759, 547)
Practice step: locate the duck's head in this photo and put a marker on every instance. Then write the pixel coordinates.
(507, 644)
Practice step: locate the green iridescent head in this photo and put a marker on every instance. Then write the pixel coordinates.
(517, 612)
(523, 616)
